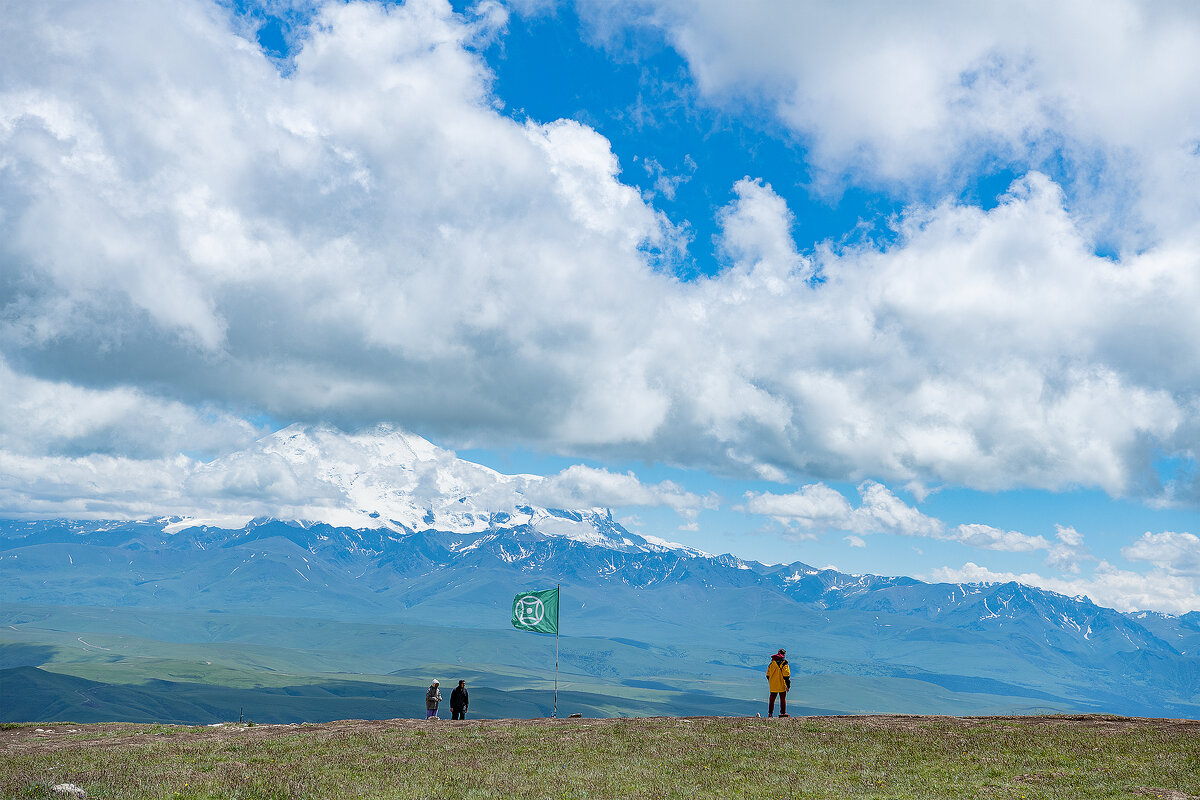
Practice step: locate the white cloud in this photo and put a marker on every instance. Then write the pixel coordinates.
(989, 538)
(40, 417)
(368, 238)
(855, 541)
(883, 512)
(817, 506)
(314, 474)
(811, 506)
(1068, 551)
(926, 96)
(1175, 553)
(347, 242)
(756, 237)
(989, 348)
(92, 487)
(580, 486)
(1069, 536)
(666, 183)
(1107, 586)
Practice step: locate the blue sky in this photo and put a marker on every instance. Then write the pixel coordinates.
(839, 283)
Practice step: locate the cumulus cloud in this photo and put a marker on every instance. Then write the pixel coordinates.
(811, 506)
(1106, 586)
(982, 347)
(989, 538)
(1175, 553)
(39, 417)
(1068, 550)
(818, 507)
(348, 241)
(882, 512)
(369, 238)
(927, 99)
(580, 486)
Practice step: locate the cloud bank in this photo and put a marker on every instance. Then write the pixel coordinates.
(316, 474)
(817, 507)
(191, 239)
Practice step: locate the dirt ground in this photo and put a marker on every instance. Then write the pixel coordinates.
(48, 738)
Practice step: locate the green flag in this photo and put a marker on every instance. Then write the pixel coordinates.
(536, 611)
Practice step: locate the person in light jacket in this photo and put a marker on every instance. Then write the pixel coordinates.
(458, 701)
(779, 680)
(432, 698)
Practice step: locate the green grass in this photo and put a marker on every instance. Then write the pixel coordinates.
(864, 757)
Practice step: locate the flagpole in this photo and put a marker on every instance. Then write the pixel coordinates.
(558, 603)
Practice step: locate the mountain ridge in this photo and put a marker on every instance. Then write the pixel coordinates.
(960, 637)
(441, 543)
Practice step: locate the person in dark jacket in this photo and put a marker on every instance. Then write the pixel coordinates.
(458, 701)
(432, 698)
(779, 680)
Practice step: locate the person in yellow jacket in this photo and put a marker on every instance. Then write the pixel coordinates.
(779, 680)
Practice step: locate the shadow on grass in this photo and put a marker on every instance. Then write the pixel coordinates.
(25, 655)
(36, 695)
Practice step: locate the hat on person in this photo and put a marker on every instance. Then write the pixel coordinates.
(435, 682)
(781, 652)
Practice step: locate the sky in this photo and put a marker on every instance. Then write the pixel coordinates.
(894, 288)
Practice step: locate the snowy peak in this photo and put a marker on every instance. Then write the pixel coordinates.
(385, 448)
(386, 478)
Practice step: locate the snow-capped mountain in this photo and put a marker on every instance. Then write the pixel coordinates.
(393, 480)
(1022, 647)
(388, 528)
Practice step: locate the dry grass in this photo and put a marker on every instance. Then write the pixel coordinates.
(817, 757)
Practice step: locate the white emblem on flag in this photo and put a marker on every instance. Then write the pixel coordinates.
(529, 610)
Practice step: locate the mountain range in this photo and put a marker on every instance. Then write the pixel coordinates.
(405, 563)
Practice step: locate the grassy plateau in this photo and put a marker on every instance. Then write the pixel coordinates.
(661, 757)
